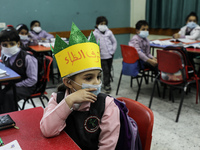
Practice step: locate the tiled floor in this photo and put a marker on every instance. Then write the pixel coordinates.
(167, 134)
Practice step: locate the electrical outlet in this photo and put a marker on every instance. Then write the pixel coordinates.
(2, 24)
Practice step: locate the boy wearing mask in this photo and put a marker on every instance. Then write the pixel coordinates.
(142, 45)
(22, 63)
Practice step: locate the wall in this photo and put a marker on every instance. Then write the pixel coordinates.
(58, 15)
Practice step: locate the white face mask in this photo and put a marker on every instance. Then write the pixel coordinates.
(23, 37)
(191, 25)
(37, 29)
(144, 34)
(10, 51)
(102, 28)
(85, 86)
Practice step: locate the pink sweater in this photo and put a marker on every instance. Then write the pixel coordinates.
(53, 120)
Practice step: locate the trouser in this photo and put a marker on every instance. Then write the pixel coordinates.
(106, 65)
(149, 66)
(7, 100)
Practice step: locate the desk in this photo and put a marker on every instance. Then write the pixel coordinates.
(29, 135)
(42, 49)
(11, 78)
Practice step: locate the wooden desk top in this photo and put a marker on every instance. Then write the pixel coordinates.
(29, 135)
(12, 75)
(40, 48)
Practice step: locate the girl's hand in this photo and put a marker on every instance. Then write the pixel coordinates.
(82, 95)
(176, 35)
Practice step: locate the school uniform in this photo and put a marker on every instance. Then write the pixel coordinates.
(192, 34)
(55, 115)
(108, 46)
(27, 67)
(41, 34)
(142, 45)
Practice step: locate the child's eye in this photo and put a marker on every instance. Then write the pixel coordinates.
(88, 78)
(99, 77)
(4, 45)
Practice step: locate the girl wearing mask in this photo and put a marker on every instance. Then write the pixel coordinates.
(92, 122)
(191, 30)
(142, 45)
(22, 63)
(38, 33)
(26, 38)
(108, 46)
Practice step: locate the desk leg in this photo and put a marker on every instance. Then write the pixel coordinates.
(15, 96)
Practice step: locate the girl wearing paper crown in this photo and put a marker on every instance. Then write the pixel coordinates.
(90, 122)
(90, 118)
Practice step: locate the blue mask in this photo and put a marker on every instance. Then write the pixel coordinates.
(144, 34)
(191, 25)
(85, 86)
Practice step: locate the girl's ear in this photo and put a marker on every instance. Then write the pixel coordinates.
(67, 82)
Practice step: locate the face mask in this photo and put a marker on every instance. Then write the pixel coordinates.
(10, 51)
(102, 28)
(144, 34)
(85, 86)
(23, 37)
(191, 25)
(37, 29)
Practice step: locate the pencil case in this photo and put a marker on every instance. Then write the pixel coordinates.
(6, 122)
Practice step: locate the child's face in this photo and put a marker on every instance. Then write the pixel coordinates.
(23, 32)
(9, 44)
(35, 25)
(92, 77)
(143, 28)
(192, 19)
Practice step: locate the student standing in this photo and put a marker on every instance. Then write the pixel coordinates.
(38, 33)
(108, 46)
(22, 63)
(191, 30)
(142, 45)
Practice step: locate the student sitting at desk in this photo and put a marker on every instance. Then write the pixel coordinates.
(142, 45)
(22, 63)
(38, 33)
(191, 30)
(26, 38)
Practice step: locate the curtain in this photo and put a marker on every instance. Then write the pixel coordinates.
(170, 13)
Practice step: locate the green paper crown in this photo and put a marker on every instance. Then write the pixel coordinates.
(76, 37)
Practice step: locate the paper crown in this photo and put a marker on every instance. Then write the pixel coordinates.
(79, 55)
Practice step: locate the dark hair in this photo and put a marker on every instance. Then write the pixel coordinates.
(141, 23)
(20, 27)
(33, 22)
(101, 19)
(9, 34)
(191, 14)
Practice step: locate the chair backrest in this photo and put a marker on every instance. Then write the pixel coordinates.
(41, 84)
(129, 54)
(144, 118)
(169, 62)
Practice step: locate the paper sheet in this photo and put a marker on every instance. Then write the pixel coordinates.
(165, 42)
(14, 145)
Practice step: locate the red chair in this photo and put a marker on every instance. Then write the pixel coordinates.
(43, 82)
(171, 62)
(144, 118)
(131, 67)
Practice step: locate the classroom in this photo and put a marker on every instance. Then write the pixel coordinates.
(175, 113)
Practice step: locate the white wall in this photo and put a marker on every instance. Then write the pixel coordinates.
(138, 8)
